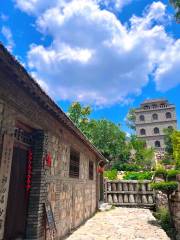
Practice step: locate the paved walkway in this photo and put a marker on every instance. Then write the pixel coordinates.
(121, 223)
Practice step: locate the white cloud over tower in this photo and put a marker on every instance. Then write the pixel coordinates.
(96, 59)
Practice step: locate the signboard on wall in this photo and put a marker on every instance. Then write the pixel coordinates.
(50, 219)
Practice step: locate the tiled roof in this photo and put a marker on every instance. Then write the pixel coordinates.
(155, 100)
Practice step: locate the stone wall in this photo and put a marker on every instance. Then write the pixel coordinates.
(175, 208)
(1, 122)
(161, 114)
(6, 151)
(149, 124)
(72, 200)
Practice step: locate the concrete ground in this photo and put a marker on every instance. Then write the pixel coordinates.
(121, 223)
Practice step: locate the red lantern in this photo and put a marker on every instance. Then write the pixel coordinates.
(100, 169)
(101, 165)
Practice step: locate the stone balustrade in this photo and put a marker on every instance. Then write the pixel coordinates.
(129, 193)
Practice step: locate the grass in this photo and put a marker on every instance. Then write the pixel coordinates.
(163, 217)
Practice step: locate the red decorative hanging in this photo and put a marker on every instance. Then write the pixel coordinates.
(100, 168)
(48, 160)
(29, 171)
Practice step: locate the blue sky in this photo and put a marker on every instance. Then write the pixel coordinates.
(111, 54)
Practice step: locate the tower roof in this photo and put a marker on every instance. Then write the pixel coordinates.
(157, 100)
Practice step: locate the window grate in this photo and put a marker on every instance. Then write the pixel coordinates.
(74, 164)
(23, 136)
(91, 170)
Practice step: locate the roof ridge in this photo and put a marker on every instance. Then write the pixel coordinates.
(51, 102)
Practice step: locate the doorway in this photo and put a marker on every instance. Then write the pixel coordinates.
(15, 225)
(18, 197)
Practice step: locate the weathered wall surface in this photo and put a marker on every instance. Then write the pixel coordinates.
(6, 151)
(175, 207)
(73, 200)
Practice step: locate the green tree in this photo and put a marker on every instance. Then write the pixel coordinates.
(176, 147)
(176, 5)
(109, 139)
(131, 118)
(143, 156)
(80, 116)
(104, 134)
(168, 157)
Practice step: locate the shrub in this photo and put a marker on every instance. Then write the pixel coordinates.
(168, 160)
(164, 219)
(127, 167)
(166, 187)
(171, 174)
(111, 174)
(138, 176)
(161, 172)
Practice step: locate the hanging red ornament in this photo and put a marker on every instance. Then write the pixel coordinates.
(29, 171)
(48, 160)
(100, 168)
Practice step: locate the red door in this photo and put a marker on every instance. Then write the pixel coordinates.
(15, 225)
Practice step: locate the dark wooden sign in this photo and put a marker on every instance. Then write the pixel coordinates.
(50, 219)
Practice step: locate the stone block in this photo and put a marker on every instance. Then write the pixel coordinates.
(125, 187)
(126, 199)
(131, 198)
(119, 187)
(120, 198)
(1, 108)
(113, 186)
(144, 199)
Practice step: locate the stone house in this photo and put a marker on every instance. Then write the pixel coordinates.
(153, 116)
(48, 179)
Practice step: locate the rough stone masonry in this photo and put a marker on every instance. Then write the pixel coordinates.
(30, 120)
(175, 207)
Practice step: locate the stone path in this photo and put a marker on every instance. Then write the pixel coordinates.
(121, 223)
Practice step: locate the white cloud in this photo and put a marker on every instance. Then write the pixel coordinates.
(6, 32)
(35, 6)
(93, 57)
(167, 74)
(114, 4)
(38, 6)
(4, 17)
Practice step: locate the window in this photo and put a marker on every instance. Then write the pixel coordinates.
(155, 116)
(146, 107)
(91, 170)
(141, 118)
(74, 164)
(168, 115)
(170, 127)
(157, 144)
(143, 131)
(156, 130)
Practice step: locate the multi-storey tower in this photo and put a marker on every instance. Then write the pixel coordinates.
(152, 118)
